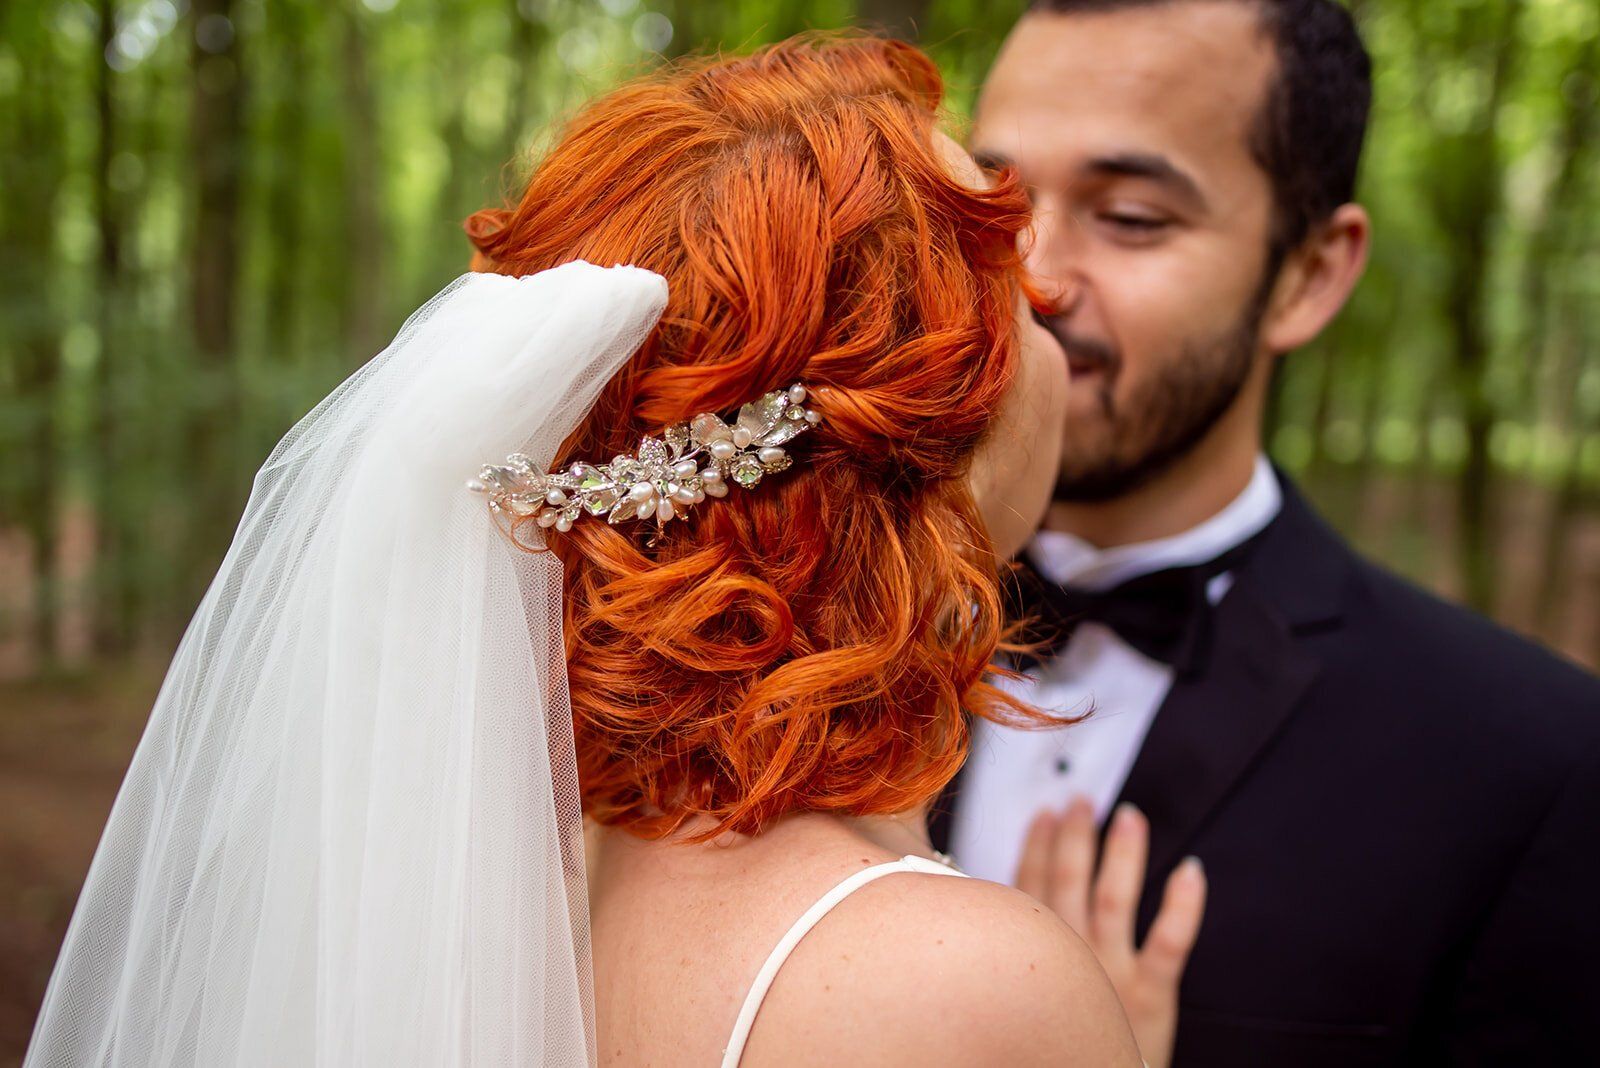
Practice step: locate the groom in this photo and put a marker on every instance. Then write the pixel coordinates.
(1397, 804)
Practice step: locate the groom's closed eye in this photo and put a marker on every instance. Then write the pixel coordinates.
(1134, 222)
(1133, 225)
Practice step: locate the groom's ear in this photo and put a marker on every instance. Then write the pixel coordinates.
(1316, 280)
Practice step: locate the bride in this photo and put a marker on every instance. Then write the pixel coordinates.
(720, 589)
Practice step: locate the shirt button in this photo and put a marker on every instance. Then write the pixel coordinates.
(1063, 765)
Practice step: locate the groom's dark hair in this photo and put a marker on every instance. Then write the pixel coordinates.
(1308, 134)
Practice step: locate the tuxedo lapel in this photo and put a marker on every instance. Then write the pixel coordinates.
(1213, 727)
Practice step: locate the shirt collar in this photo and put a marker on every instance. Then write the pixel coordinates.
(1069, 560)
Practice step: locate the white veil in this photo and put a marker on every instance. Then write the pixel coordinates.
(351, 832)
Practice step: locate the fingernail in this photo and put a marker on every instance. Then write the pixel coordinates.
(1126, 812)
(1192, 864)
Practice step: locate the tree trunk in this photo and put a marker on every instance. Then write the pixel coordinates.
(527, 42)
(32, 166)
(898, 18)
(114, 605)
(457, 195)
(217, 132)
(217, 150)
(688, 32)
(1469, 203)
(364, 312)
(285, 168)
(1549, 331)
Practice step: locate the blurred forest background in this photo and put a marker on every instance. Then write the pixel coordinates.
(214, 210)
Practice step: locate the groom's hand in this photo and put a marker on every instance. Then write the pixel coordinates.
(1100, 903)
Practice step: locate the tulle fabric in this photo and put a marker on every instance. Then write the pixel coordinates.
(351, 832)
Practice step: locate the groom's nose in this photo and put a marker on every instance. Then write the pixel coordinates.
(1052, 259)
(1060, 294)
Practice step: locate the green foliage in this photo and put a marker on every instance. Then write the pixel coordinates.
(367, 131)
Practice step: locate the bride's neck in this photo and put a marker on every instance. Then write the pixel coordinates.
(903, 833)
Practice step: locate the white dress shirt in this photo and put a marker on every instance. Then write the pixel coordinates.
(1012, 774)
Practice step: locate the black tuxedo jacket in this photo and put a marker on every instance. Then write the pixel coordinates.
(1398, 809)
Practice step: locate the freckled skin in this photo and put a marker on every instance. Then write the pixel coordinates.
(913, 969)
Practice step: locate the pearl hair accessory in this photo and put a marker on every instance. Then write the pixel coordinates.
(665, 479)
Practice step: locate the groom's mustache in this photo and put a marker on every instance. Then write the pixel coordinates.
(1084, 355)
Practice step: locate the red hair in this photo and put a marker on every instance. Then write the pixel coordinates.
(811, 644)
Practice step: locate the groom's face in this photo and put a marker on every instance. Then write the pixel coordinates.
(1132, 131)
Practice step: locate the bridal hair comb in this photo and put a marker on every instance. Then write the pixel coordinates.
(669, 475)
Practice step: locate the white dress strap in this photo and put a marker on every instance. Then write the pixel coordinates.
(813, 915)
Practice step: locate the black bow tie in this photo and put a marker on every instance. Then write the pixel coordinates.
(1166, 615)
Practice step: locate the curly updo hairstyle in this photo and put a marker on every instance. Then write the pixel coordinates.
(809, 645)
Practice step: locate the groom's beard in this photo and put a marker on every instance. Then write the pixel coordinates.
(1139, 436)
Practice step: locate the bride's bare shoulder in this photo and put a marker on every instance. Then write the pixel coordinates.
(917, 969)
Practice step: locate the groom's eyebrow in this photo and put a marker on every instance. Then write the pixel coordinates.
(1147, 165)
(1151, 167)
